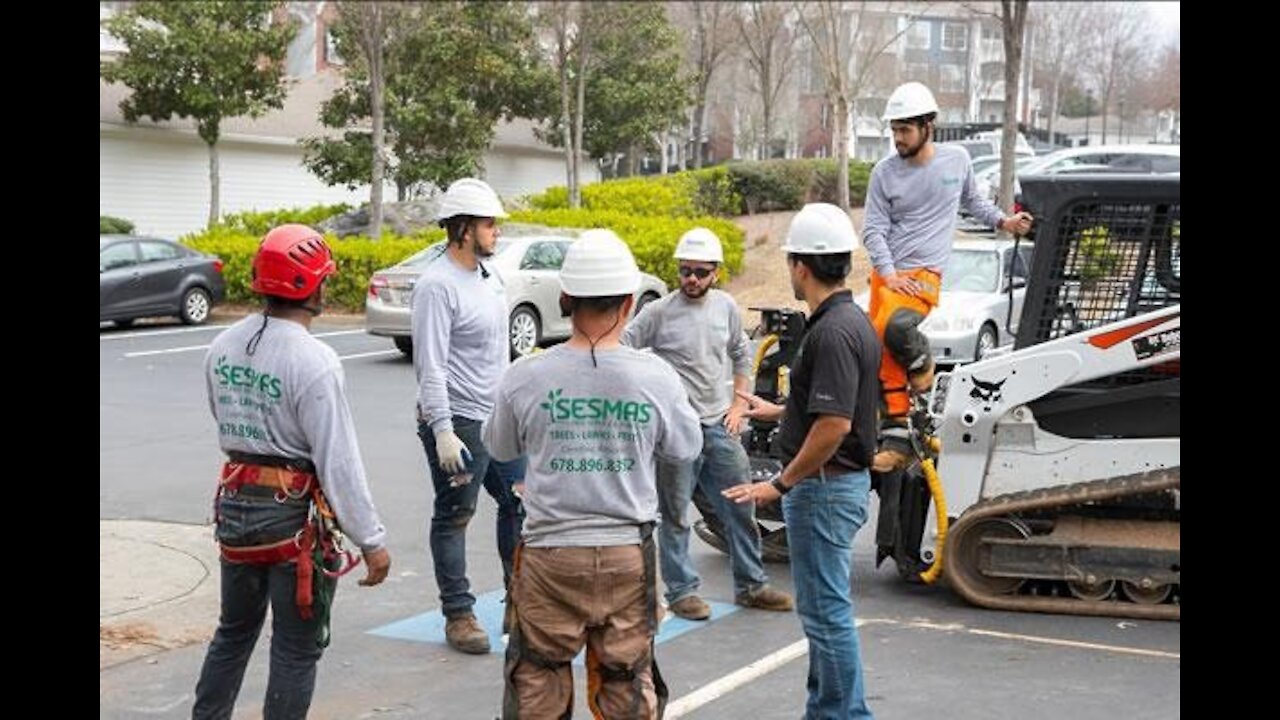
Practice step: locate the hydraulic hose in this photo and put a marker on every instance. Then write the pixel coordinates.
(940, 507)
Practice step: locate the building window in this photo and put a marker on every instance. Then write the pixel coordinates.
(955, 36)
(918, 34)
(951, 78)
(918, 72)
(991, 32)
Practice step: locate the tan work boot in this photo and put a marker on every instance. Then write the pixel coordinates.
(465, 635)
(766, 598)
(691, 607)
(888, 461)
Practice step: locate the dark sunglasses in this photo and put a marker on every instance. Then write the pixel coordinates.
(700, 273)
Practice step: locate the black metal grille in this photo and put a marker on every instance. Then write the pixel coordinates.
(1107, 248)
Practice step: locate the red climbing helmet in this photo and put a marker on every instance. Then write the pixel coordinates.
(291, 262)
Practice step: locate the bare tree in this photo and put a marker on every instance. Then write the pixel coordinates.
(1013, 24)
(1119, 37)
(710, 37)
(1057, 28)
(369, 22)
(844, 35)
(560, 20)
(1163, 85)
(769, 45)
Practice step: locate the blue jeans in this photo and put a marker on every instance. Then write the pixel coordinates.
(246, 590)
(722, 464)
(454, 507)
(823, 515)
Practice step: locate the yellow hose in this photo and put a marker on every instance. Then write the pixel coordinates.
(765, 344)
(940, 507)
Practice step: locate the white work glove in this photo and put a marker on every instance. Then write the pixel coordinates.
(450, 449)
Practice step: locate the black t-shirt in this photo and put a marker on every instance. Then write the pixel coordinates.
(835, 372)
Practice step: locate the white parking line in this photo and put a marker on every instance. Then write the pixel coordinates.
(171, 331)
(369, 354)
(189, 348)
(721, 686)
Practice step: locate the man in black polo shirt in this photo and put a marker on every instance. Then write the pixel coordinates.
(827, 438)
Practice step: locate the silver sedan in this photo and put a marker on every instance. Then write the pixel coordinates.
(529, 268)
(983, 281)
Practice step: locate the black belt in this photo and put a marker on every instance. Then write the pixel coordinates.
(245, 458)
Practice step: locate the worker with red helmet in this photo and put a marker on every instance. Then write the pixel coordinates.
(293, 508)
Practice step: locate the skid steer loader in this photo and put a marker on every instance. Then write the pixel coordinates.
(1057, 477)
(1058, 463)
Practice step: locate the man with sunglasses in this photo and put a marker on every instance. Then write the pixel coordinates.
(699, 332)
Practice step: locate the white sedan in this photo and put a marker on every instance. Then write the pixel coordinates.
(529, 267)
(982, 281)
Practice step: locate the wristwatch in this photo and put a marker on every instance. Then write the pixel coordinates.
(780, 486)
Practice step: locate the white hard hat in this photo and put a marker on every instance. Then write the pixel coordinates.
(821, 229)
(599, 264)
(470, 196)
(910, 100)
(699, 244)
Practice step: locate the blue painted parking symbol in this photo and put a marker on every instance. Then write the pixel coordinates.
(428, 627)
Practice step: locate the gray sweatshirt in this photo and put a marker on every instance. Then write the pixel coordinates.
(911, 211)
(703, 340)
(591, 434)
(287, 400)
(460, 345)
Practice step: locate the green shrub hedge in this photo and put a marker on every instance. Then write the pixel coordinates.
(108, 225)
(652, 239)
(258, 223)
(357, 257)
(725, 190)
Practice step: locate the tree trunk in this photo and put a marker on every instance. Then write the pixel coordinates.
(840, 151)
(214, 180)
(1053, 105)
(699, 114)
(662, 146)
(1013, 20)
(376, 89)
(566, 122)
(575, 192)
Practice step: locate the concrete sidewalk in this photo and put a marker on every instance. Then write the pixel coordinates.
(158, 588)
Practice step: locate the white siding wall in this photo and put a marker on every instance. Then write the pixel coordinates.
(516, 172)
(160, 180)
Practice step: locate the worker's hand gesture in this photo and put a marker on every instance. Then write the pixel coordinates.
(761, 493)
(904, 285)
(733, 418)
(451, 451)
(760, 409)
(377, 563)
(1019, 223)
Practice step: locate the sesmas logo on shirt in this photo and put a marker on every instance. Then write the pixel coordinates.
(563, 408)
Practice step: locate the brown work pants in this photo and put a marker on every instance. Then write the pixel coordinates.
(568, 597)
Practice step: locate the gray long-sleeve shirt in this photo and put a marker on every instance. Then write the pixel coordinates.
(460, 341)
(591, 431)
(703, 340)
(911, 210)
(287, 400)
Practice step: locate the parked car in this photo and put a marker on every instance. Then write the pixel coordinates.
(529, 267)
(150, 277)
(972, 317)
(975, 148)
(1117, 158)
